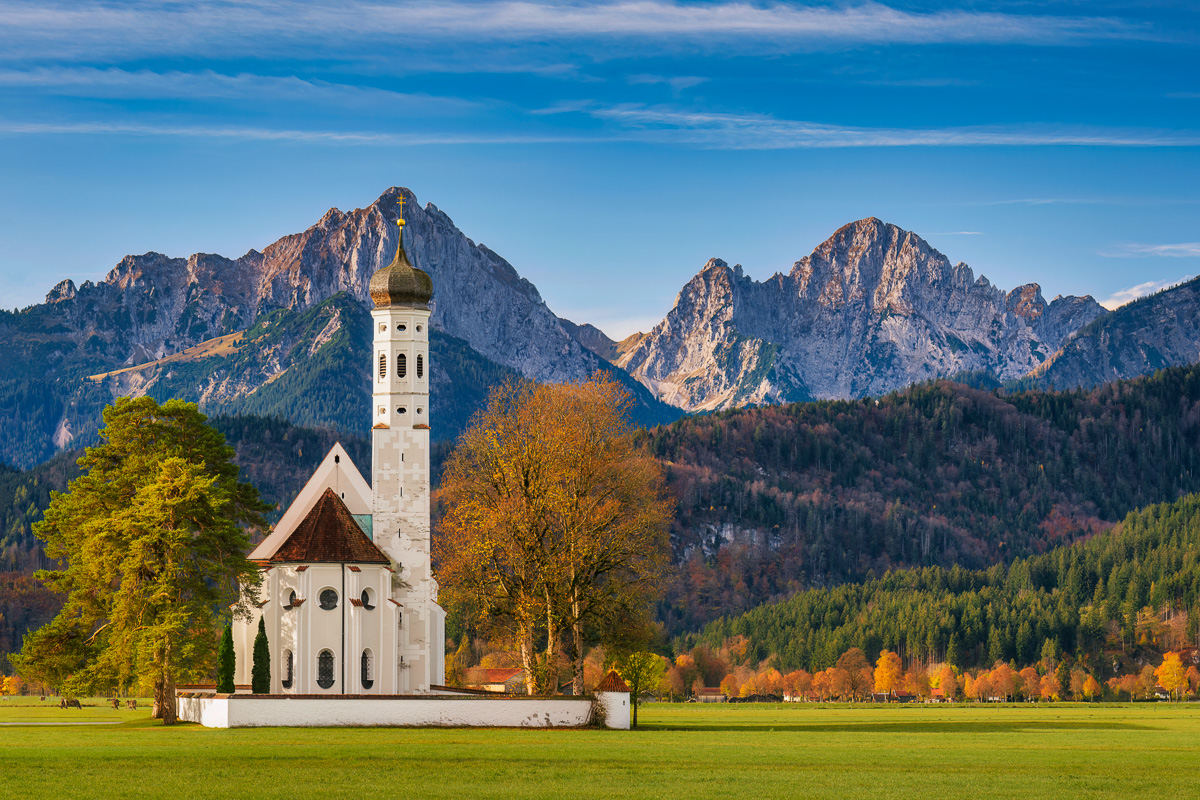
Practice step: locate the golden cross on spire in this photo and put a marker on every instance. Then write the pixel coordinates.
(400, 219)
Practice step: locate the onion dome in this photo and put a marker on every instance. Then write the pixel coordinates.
(400, 284)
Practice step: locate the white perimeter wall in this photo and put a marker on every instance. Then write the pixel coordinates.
(438, 711)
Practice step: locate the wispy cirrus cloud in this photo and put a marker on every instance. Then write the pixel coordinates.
(266, 28)
(763, 132)
(1128, 295)
(1142, 250)
(144, 84)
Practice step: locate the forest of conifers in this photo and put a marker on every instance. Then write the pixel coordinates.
(1132, 592)
(779, 499)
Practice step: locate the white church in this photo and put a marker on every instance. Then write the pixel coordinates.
(350, 603)
(348, 599)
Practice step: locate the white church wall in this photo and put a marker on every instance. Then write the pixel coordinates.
(431, 710)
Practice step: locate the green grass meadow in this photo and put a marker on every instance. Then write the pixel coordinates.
(680, 751)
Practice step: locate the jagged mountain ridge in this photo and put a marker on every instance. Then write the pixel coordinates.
(1161, 330)
(152, 307)
(871, 310)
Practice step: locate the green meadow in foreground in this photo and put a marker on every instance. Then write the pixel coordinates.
(681, 751)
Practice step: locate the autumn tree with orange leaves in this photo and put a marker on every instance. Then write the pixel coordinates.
(889, 673)
(555, 523)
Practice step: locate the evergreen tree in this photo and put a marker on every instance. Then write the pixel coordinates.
(260, 672)
(153, 540)
(225, 662)
(954, 655)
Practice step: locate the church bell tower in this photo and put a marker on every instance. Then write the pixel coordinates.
(400, 460)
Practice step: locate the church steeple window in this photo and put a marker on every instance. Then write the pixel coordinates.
(401, 365)
(325, 669)
(420, 366)
(382, 366)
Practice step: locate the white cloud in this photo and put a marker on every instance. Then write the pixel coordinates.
(1128, 295)
(677, 83)
(720, 130)
(207, 84)
(1140, 250)
(956, 233)
(266, 28)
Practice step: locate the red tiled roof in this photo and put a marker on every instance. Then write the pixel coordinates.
(498, 675)
(612, 683)
(329, 534)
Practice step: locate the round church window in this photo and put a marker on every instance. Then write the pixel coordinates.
(329, 599)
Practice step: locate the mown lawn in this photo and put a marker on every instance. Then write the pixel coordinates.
(681, 751)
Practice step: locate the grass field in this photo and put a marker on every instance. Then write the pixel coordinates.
(681, 751)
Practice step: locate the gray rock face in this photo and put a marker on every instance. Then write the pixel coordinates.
(872, 309)
(1162, 330)
(163, 305)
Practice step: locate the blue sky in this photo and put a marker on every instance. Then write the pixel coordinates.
(609, 149)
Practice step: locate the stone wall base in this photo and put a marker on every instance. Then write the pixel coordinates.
(440, 710)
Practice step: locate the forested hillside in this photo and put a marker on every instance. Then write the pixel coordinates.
(779, 499)
(1122, 596)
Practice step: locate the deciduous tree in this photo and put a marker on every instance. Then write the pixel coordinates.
(1171, 674)
(889, 671)
(642, 671)
(556, 522)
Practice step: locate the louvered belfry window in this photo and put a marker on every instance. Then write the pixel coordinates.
(382, 366)
(325, 669)
(401, 365)
(420, 366)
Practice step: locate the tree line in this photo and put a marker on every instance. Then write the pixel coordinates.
(1108, 604)
(778, 499)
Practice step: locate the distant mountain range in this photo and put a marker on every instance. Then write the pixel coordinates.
(285, 331)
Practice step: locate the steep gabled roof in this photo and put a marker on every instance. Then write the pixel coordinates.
(338, 472)
(328, 534)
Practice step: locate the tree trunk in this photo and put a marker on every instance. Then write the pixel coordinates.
(157, 712)
(577, 686)
(528, 661)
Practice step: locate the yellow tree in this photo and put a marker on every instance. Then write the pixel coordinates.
(1171, 674)
(1091, 687)
(889, 672)
(948, 682)
(555, 523)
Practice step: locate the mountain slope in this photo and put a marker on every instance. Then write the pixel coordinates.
(779, 498)
(1158, 331)
(872, 309)
(1101, 599)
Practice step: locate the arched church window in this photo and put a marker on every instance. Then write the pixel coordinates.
(287, 669)
(420, 366)
(291, 603)
(329, 599)
(325, 669)
(383, 366)
(401, 365)
(368, 670)
(368, 599)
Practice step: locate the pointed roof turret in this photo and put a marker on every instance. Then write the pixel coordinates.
(328, 534)
(400, 284)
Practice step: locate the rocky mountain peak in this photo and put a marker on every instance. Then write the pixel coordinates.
(63, 290)
(1027, 301)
